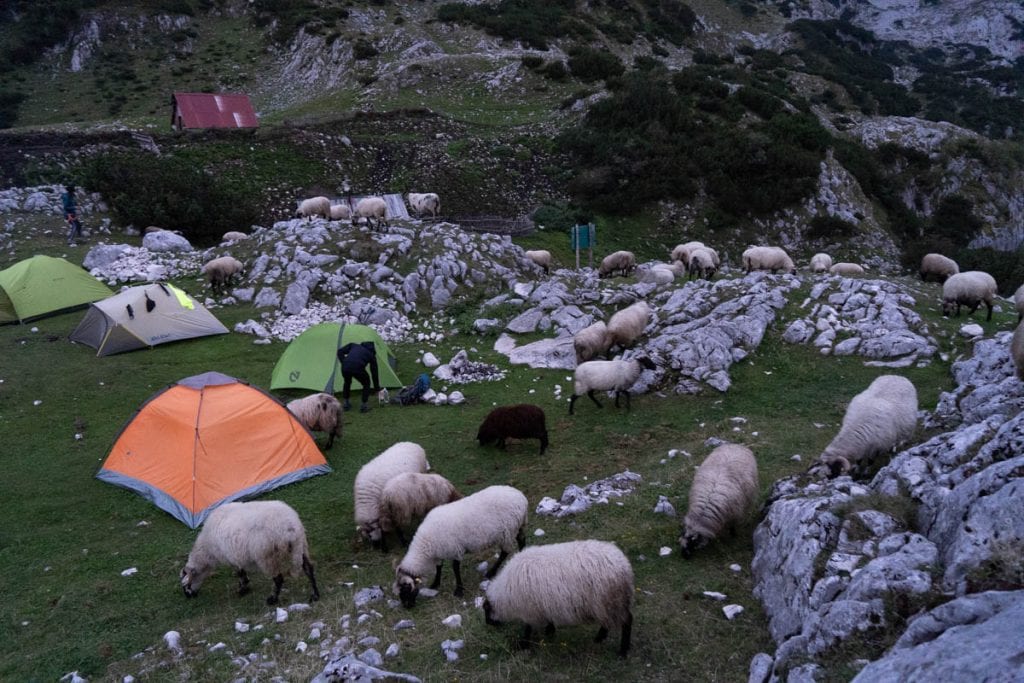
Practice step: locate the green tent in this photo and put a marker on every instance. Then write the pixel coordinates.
(41, 285)
(311, 359)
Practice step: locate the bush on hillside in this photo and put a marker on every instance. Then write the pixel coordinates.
(1007, 267)
(142, 190)
(589, 64)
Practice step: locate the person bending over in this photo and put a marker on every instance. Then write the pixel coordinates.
(354, 359)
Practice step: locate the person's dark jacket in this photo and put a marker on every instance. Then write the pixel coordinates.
(354, 357)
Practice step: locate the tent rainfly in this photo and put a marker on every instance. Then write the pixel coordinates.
(142, 316)
(208, 440)
(311, 360)
(43, 285)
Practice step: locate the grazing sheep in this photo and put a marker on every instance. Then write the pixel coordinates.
(520, 421)
(937, 266)
(722, 494)
(662, 273)
(768, 258)
(626, 326)
(968, 289)
(402, 457)
(319, 413)
(1017, 350)
(820, 263)
(424, 202)
(607, 375)
(542, 257)
(371, 208)
(494, 516)
(878, 419)
(682, 251)
(263, 535)
(592, 341)
(407, 497)
(1018, 302)
(340, 212)
(619, 261)
(221, 271)
(564, 584)
(234, 236)
(846, 269)
(151, 229)
(314, 206)
(702, 264)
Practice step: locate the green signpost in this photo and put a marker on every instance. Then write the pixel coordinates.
(584, 236)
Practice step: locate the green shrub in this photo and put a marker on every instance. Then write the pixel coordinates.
(534, 22)
(589, 64)
(830, 227)
(10, 102)
(555, 70)
(363, 49)
(1007, 267)
(532, 62)
(143, 189)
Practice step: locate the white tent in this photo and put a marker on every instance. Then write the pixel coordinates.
(142, 316)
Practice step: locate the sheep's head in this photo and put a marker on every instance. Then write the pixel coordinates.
(371, 532)
(191, 579)
(691, 541)
(489, 614)
(949, 307)
(406, 587)
(646, 362)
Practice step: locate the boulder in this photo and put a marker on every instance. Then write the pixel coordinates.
(165, 240)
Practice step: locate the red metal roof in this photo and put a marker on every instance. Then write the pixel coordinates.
(213, 110)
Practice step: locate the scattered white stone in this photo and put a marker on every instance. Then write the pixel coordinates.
(482, 567)
(130, 571)
(314, 634)
(538, 532)
(427, 592)
(35, 329)
(392, 651)
(242, 627)
(972, 330)
(478, 602)
(173, 640)
(217, 647)
(280, 615)
(299, 607)
(714, 595)
(483, 656)
(37, 402)
(450, 649)
(453, 621)
(732, 611)
(735, 567)
(795, 458)
(665, 550)
(673, 452)
(404, 624)
(73, 677)
(301, 646)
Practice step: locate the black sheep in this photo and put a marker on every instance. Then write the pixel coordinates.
(520, 421)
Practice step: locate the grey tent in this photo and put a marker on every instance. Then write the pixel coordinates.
(142, 316)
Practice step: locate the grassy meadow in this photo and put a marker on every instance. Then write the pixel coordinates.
(66, 537)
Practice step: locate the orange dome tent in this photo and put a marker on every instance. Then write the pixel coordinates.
(207, 440)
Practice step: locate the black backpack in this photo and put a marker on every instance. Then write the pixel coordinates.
(414, 392)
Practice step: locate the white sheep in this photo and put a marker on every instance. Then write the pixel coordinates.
(592, 341)
(1017, 350)
(662, 273)
(495, 516)
(618, 261)
(722, 494)
(938, 266)
(607, 375)
(768, 258)
(1018, 302)
(968, 289)
(374, 208)
(409, 496)
(820, 263)
(682, 251)
(702, 263)
(564, 584)
(262, 535)
(314, 206)
(221, 271)
(234, 236)
(424, 202)
(846, 269)
(878, 419)
(402, 457)
(319, 413)
(340, 212)
(542, 257)
(626, 326)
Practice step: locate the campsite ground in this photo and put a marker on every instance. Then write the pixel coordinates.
(67, 537)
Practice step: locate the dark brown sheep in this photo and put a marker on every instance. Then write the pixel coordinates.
(520, 421)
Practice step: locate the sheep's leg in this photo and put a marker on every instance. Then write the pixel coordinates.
(278, 582)
(401, 536)
(594, 399)
(627, 633)
(497, 565)
(627, 400)
(988, 304)
(457, 568)
(307, 567)
(243, 582)
(521, 538)
(572, 402)
(602, 633)
(549, 630)
(437, 576)
(524, 642)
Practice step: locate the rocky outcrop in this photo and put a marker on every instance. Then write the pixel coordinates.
(835, 559)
